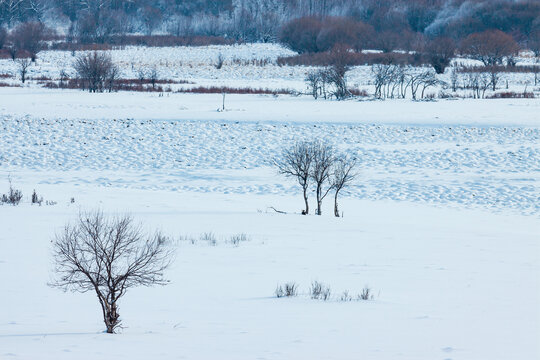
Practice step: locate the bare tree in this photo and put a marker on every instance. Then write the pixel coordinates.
(535, 70)
(108, 256)
(297, 162)
(29, 37)
(381, 75)
(454, 77)
(490, 47)
(94, 70)
(428, 79)
(342, 176)
(439, 53)
(24, 64)
(494, 76)
(153, 76)
(321, 171)
(339, 60)
(313, 80)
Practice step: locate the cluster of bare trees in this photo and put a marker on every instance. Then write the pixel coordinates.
(96, 71)
(395, 81)
(25, 39)
(327, 82)
(108, 256)
(331, 81)
(317, 166)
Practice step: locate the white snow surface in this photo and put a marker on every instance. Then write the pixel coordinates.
(448, 284)
(442, 223)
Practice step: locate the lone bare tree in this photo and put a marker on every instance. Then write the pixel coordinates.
(297, 162)
(24, 64)
(29, 37)
(96, 71)
(439, 52)
(323, 161)
(342, 176)
(108, 256)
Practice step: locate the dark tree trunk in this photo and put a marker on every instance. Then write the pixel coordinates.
(336, 210)
(319, 200)
(306, 211)
(111, 318)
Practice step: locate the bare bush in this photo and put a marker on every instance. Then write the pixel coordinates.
(36, 199)
(238, 238)
(108, 256)
(290, 289)
(345, 296)
(209, 237)
(320, 291)
(366, 294)
(13, 197)
(96, 71)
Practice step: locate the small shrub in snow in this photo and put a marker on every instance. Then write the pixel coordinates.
(13, 197)
(345, 296)
(36, 199)
(209, 237)
(287, 290)
(320, 291)
(192, 240)
(238, 238)
(220, 61)
(366, 294)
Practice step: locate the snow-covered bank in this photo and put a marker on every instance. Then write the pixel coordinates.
(448, 284)
(44, 103)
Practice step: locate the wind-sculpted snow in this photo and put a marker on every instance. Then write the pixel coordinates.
(491, 167)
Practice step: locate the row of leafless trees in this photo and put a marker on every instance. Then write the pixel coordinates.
(394, 81)
(317, 165)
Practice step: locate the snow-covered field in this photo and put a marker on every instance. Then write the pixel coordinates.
(443, 224)
(246, 65)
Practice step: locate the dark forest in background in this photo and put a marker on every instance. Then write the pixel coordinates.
(307, 26)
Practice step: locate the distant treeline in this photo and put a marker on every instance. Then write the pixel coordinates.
(378, 24)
